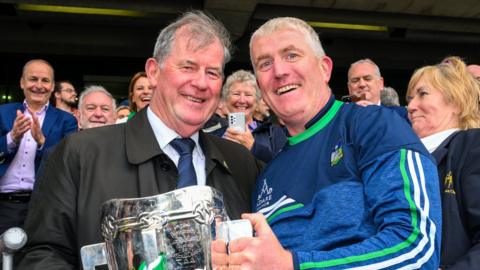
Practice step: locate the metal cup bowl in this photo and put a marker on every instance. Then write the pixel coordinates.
(173, 230)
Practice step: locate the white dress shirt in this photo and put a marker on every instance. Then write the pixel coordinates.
(433, 141)
(165, 135)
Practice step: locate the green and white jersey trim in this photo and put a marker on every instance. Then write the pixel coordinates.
(414, 165)
(276, 209)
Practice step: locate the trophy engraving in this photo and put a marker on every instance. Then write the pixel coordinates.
(168, 231)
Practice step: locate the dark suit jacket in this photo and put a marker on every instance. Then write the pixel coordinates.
(118, 161)
(458, 159)
(56, 125)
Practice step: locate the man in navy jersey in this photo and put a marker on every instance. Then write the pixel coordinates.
(353, 188)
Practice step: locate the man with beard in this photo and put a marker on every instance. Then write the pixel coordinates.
(97, 108)
(65, 97)
(26, 130)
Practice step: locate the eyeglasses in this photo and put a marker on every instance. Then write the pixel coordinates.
(68, 90)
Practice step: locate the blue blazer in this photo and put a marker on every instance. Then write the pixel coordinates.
(459, 173)
(56, 125)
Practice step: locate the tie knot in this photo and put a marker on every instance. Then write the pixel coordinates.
(183, 146)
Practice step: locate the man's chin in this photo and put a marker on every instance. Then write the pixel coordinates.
(93, 125)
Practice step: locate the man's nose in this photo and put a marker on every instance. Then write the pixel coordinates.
(362, 82)
(200, 80)
(280, 69)
(98, 112)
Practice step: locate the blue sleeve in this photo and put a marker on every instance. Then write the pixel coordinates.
(71, 125)
(268, 143)
(5, 127)
(401, 190)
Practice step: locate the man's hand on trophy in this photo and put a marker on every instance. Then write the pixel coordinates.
(263, 251)
(219, 255)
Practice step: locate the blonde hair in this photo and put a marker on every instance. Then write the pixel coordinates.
(457, 86)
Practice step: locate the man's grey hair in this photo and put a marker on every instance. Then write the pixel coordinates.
(93, 89)
(201, 28)
(366, 60)
(311, 37)
(389, 97)
(241, 76)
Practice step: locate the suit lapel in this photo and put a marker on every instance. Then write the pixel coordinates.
(442, 150)
(51, 116)
(213, 156)
(143, 151)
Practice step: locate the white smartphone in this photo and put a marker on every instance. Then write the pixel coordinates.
(237, 121)
(233, 229)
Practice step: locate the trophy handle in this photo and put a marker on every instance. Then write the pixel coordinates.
(93, 255)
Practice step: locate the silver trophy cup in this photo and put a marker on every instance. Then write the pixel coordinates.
(171, 231)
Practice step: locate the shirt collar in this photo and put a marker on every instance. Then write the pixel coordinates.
(43, 110)
(321, 113)
(165, 135)
(433, 141)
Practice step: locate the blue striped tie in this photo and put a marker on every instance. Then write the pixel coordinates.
(186, 171)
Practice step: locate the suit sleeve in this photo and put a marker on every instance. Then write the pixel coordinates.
(71, 126)
(5, 128)
(470, 184)
(50, 223)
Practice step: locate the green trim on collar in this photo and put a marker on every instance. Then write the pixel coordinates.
(319, 125)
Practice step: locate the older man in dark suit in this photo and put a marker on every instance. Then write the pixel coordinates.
(26, 130)
(139, 158)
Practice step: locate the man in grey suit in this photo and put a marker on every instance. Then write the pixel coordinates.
(136, 159)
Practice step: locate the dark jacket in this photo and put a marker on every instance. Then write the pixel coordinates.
(269, 140)
(458, 159)
(56, 125)
(118, 161)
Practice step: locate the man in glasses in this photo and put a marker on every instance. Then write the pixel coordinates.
(65, 97)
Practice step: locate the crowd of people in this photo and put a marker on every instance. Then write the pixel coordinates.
(360, 182)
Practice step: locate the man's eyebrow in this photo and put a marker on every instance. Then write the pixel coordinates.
(290, 48)
(262, 57)
(188, 62)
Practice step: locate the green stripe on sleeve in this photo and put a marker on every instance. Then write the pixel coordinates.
(376, 254)
(283, 210)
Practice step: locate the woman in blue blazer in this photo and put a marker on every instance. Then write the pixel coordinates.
(444, 111)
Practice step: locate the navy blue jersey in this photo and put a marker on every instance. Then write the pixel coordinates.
(356, 189)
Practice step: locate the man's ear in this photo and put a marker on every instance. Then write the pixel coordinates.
(326, 65)
(382, 84)
(22, 83)
(151, 69)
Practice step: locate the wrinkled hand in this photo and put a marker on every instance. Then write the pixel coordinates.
(244, 138)
(21, 125)
(263, 251)
(36, 130)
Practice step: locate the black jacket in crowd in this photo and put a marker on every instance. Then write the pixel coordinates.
(458, 159)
